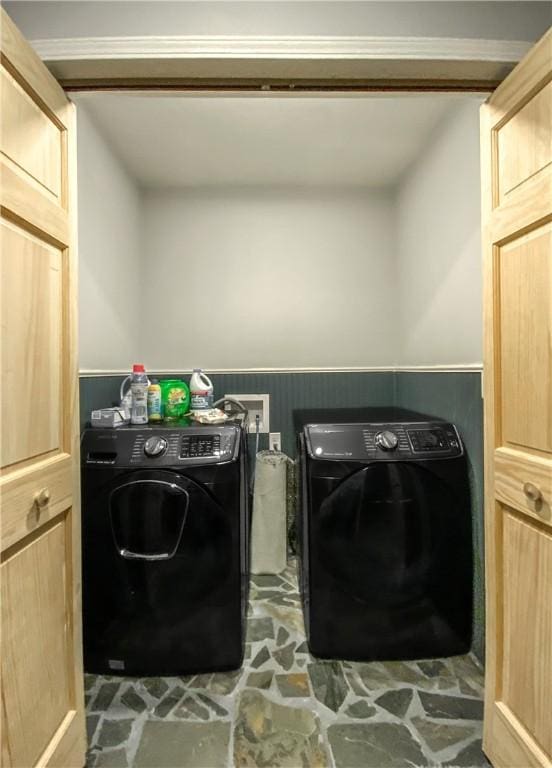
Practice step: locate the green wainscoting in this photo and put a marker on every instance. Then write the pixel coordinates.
(452, 395)
(457, 398)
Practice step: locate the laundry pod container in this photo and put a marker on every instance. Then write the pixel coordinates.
(269, 524)
(175, 399)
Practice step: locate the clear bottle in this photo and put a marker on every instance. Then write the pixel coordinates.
(139, 388)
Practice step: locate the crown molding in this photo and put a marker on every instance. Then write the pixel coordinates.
(288, 47)
(314, 62)
(282, 47)
(371, 63)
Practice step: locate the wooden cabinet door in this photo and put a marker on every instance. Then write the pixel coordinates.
(516, 131)
(42, 686)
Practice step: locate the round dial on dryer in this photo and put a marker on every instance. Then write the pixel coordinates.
(155, 446)
(387, 440)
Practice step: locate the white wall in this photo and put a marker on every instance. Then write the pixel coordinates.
(491, 20)
(269, 278)
(439, 247)
(283, 278)
(109, 253)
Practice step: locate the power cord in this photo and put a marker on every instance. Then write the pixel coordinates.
(257, 431)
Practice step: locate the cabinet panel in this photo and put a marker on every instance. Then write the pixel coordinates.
(37, 149)
(43, 721)
(36, 620)
(516, 142)
(525, 276)
(527, 671)
(32, 324)
(524, 145)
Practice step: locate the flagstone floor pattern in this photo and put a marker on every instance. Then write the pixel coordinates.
(287, 709)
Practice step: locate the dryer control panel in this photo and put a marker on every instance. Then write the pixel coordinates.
(160, 446)
(385, 442)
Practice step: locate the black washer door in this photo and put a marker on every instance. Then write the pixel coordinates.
(161, 518)
(148, 516)
(162, 577)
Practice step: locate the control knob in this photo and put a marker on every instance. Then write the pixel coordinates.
(387, 440)
(155, 446)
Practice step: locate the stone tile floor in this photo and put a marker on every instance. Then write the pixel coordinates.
(285, 708)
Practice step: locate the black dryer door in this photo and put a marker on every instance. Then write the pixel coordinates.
(392, 538)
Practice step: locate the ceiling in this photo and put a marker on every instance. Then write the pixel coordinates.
(168, 141)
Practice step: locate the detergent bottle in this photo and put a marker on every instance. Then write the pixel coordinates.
(201, 392)
(154, 401)
(139, 388)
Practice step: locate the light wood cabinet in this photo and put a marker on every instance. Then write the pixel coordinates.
(42, 681)
(516, 132)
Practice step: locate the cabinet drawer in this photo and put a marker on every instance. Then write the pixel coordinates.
(20, 514)
(524, 482)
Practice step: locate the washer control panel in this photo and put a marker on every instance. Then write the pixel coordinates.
(161, 446)
(384, 442)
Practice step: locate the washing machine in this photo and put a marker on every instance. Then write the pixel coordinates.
(384, 535)
(165, 533)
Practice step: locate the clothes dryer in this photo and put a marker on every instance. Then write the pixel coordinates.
(384, 536)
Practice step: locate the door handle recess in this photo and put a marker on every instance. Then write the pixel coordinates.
(532, 492)
(42, 497)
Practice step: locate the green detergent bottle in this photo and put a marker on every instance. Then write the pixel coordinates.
(175, 399)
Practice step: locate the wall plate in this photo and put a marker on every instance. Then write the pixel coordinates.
(256, 404)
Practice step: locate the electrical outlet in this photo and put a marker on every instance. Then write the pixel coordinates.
(275, 441)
